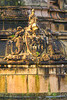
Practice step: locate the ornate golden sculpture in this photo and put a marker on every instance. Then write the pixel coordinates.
(33, 21)
(32, 46)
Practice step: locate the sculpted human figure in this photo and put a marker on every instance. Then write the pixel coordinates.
(32, 17)
(18, 39)
(33, 21)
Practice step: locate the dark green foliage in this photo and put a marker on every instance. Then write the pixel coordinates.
(11, 2)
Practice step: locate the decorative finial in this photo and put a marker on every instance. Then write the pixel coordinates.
(33, 10)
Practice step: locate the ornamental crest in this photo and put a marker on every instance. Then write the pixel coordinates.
(33, 44)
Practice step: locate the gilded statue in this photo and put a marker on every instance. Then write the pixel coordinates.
(33, 21)
(33, 46)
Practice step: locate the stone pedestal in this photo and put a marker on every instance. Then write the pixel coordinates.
(33, 79)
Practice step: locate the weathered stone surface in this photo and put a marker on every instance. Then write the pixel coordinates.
(32, 71)
(44, 13)
(2, 84)
(61, 4)
(37, 84)
(53, 83)
(63, 84)
(32, 66)
(43, 81)
(52, 71)
(17, 84)
(23, 66)
(31, 84)
(53, 27)
(41, 71)
(38, 13)
(22, 71)
(36, 2)
(61, 27)
(46, 66)
(26, 70)
(7, 71)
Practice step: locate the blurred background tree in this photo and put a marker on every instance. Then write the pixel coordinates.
(11, 2)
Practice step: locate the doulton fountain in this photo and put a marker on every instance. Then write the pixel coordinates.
(34, 62)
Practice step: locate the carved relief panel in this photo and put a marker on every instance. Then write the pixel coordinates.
(65, 4)
(62, 4)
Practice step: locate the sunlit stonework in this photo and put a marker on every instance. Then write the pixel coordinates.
(33, 44)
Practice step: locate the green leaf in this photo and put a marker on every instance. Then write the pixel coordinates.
(37, 53)
(12, 35)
